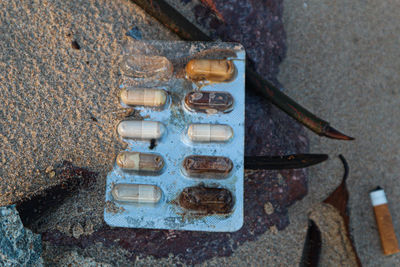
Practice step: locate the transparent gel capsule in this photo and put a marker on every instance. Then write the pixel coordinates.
(209, 102)
(144, 97)
(137, 161)
(144, 130)
(136, 193)
(207, 166)
(207, 199)
(151, 67)
(213, 70)
(210, 132)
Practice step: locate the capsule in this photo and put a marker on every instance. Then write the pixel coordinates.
(210, 132)
(136, 193)
(147, 67)
(136, 161)
(207, 199)
(213, 70)
(209, 102)
(144, 97)
(207, 166)
(144, 130)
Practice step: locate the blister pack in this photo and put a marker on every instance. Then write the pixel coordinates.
(183, 168)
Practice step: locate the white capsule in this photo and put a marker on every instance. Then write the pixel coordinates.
(137, 161)
(144, 97)
(210, 132)
(141, 129)
(136, 193)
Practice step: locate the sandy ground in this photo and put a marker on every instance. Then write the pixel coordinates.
(59, 102)
(342, 63)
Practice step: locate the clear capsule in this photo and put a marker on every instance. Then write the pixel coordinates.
(213, 70)
(136, 193)
(144, 97)
(210, 132)
(207, 166)
(207, 199)
(144, 130)
(150, 67)
(209, 102)
(136, 161)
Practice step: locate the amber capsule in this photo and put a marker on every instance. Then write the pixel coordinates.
(210, 132)
(147, 67)
(137, 161)
(207, 166)
(207, 199)
(209, 102)
(144, 97)
(213, 70)
(136, 193)
(145, 130)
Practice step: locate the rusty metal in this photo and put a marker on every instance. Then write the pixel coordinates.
(177, 23)
(297, 161)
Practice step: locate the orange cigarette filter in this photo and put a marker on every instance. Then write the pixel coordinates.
(383, 218)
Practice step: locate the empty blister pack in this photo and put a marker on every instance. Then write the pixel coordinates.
(183, 168)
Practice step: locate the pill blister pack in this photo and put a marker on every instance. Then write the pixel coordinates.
(183, 167)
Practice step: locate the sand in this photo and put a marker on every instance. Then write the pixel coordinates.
(342, 63)
(59, 102)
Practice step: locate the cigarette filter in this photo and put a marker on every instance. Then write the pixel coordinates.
(384, 221)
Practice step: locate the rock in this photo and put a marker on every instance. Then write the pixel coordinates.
(77, 230)
(73, 258)
(18, 246)
(268, 208)
(257, 25)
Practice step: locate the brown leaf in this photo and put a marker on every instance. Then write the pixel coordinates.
(339, 199)
(329, 226)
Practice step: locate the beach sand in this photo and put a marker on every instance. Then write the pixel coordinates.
(342, 63)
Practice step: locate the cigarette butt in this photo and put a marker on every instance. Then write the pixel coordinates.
(383, 218)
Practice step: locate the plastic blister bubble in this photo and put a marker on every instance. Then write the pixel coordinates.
(184, 195)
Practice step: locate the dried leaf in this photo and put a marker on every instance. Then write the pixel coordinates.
(332, 216)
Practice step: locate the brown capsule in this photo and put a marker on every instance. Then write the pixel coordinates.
(209, 102)
(207, 166)
(213, 70)
(206, 199)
